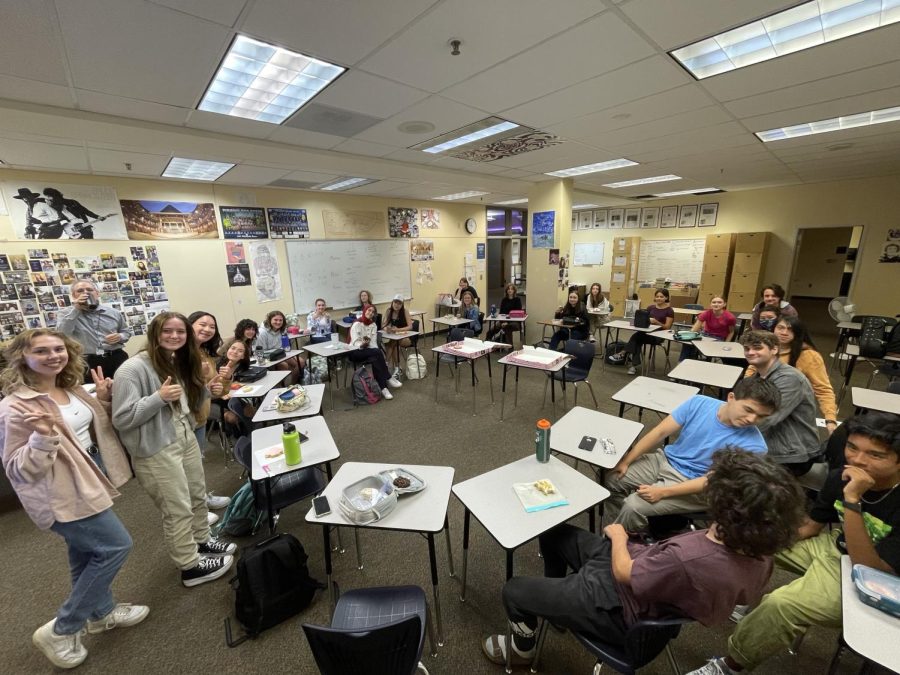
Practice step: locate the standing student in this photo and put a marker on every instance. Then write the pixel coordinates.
(597, 302)
(662, 315)
(318, 322)
(469, 310)
(772, 297)
(154, 402)
(269, 337)
(511, 301)
(363, 335)
(573, 309)
(396, 320)
(64, 461)
(714, 322)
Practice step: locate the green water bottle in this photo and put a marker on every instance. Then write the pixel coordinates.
(542, 441)
(290, 439)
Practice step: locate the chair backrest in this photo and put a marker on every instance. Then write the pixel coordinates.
(583, 352)
(894, 387)
(646, 639)
(415, 326)
(241, 451)
(456, 334)
(391, 649)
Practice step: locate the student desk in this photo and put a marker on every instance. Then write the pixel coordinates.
(869, 632)
(706, 373)
(657, 395)
(718, 349)
(853, 352)
(488, 319)
(267, 413)
(471, 358)
(424, 512)
(454, 304)
(742, 320)
(869, 399)
(844, 328)
(288, 354)
(557, 324)
(318, 450)
(331, 351)
(401, 336)
(506, 363)
(261, 386)
(449, 321)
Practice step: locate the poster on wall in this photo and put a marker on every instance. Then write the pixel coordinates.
(243, 222)
(421, 249)
(234, 252)
(616, 217)
(265, 267)
(64, 211)
(238, 275)
(687, 215)
(585, 219)
(403, 222)
(288, 224)
(650, 217)
(480, 251)
(601, 219)
(708, 215)
(149, 219)
(890, 251)
(632, 219)
(668, 216)
(542, 229)
(431, 219)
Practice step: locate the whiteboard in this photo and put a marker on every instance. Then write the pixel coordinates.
(680, 260)
(588, 253)
(338, 270)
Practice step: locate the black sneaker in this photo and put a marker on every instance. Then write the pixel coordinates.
(206, 569)
(216, 547)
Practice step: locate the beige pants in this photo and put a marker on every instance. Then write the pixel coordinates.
(175, 481)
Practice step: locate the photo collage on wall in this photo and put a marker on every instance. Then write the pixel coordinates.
(36, 287)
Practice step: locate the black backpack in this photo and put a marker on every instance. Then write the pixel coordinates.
(642, 318)
(872, 344)
(272, 584)
(893, 341)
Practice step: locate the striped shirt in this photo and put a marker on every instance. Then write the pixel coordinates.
(90, 328)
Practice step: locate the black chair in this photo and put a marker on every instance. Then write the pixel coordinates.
(578, 369)
(284, 490)
(644, 641)
(480, 323)
(377, 631)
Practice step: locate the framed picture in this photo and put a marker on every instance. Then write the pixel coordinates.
(632, 219)
(574, 220)
(616, 217)
(669, 216)
(650, 217)
(708, 215)
(585, 218)
(601, 219)
(687, 215)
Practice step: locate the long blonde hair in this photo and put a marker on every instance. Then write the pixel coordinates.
(184, 366)
(17, 372)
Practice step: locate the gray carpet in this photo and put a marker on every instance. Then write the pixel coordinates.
(184, 632)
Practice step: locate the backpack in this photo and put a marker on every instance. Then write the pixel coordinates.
(893, 341)
(272, 584)
(642, 318)
(416, 367)
(241, 518)
(365, 389)
(872, 344)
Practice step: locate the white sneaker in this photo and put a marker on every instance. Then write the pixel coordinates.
(739, 612)
(386, 393)
(396, 374)
(122, 616)
(217, 502)
(64, 651)
(212, 518)
(716, 666)
(632, 371)
(394, 383)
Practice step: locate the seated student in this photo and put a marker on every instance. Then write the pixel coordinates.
(596, 301)
(318, 322)
(755, 506)
(469, 310)
(715, 322)
(502, 330)
(365, 298)
(246, 331)
(234, 359)
(573, 308)
(768, 318)
(790, 433)
(772, 298)
(662, 315)
(651, 482)
(396, 320)
(863, 498)
(463, 285)
(363, 334)
(269, 337)
(796, 348)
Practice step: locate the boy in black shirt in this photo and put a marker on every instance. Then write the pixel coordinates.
(863, 496)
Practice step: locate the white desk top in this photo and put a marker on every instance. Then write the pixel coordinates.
(868, 631)
(423, 511)
(745, 316)
(599, 312)
(453, 303)
(315, 392)
(567, 433)
(318, 449)
(505, 317)
(653, 394)
(262, 385)
(450, 320)
(685, 310)
(849, 325)
(491, 498)
(670, 335)
(705, 372)
(625, 324)
(329, 348)
(875, 400)
(416, 312)
(505, 361)
(441, 349)
(288, 354)
(853, 350)
(398, 336)
(719, 349)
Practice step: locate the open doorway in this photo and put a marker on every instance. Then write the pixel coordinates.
(507, 248)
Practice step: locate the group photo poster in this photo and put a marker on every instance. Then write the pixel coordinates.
(64, 211)
(288, 223)
(244, 222)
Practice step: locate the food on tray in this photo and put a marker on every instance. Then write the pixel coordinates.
(247, 388)
(401, 482)
(545, 486)
(274, 452)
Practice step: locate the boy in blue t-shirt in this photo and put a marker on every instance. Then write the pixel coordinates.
(652, 482)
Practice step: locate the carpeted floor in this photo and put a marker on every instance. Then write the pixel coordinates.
(184, 632)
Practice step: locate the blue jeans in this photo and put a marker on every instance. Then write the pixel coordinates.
(98, 546)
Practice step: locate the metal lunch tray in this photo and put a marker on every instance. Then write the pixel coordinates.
(416, 484)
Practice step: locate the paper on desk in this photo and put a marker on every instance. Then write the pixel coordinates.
(539, 354)
(534, 499)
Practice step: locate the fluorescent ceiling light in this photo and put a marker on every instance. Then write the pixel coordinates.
(345, 183)
(697, 191)
(834, 124)
(195, 169)
(486, 128)
(643, 181)
(585, 206)
(593, 168)
(802, 27)
(263, 82)
(462, 195)
(511, 202)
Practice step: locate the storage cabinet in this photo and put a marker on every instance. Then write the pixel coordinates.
(747, 272)
(626, 251)
(717, 262)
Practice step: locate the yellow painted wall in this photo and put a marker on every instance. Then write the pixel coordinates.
(872, 203)
(194, 271)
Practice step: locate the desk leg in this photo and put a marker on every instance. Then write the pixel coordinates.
(503, 393)
(622, 409)
(416, 349)
(516, 397)
(449, 547)
(474, 409)
(565, 395)
(509, 573)
(850, 367)
(434, 584)
(592, 520)
(490, 379)
(326, 533)
(271, 516)
(465, 562)
(332, 365)
(437, 374)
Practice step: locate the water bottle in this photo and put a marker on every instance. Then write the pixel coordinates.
(290, 439)
(259, 356)
(285, 342)
(542, 441)
(493, 310)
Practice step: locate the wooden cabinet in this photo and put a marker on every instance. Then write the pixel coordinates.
(747, 271)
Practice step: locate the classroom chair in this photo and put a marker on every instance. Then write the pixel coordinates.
(578, 369)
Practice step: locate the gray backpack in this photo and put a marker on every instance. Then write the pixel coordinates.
(365, 389)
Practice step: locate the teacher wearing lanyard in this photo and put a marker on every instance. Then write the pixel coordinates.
(100, 330)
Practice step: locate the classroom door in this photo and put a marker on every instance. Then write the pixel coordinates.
(819, 261)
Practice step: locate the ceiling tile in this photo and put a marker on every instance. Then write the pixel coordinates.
(226, 124)
(444, 114)
(310, 176)
(224, 12)
(354, 146)
(20, 89)
(27, 154)
(671, 124)
(302, 137)
(114, 161)
(29, 42)
(131, 108)
(246, 174)
(369, 94)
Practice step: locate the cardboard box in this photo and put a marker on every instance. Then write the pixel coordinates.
(741, 302)
(719, 243)
(744, 283)
(714, 282)
(716, 262)
(752, 242)
(747, 263)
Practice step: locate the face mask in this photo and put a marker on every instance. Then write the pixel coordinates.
(768, 324)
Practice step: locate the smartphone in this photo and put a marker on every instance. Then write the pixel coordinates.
(287, 395)
(587, 443)
(321, 506)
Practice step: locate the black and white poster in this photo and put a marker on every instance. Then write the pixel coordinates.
(288, 224)
(64, 211)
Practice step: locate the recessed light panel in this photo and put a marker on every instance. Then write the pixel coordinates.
(511, 202)
(793, 30)
(259, 81)
(195, 169)
(575, 207)
(592, 168)
(486, 128)
(346, 183)
(834, 124)
(462, 195)
(697, 191)
(643, 181)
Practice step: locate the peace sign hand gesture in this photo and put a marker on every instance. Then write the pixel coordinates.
(37, 420)
(104, 384)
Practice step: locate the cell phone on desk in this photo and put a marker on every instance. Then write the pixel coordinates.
(587, 443)
(321, 506)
